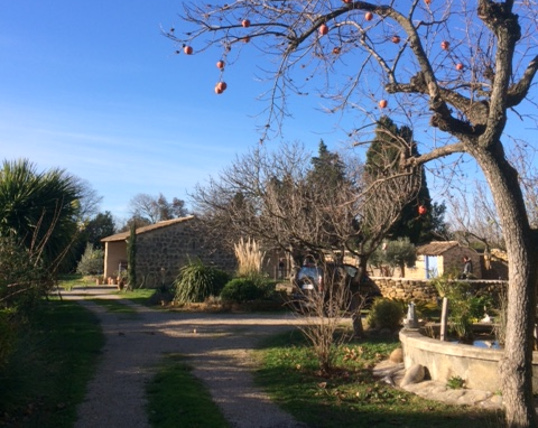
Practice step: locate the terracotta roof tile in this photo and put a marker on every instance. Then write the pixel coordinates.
(144, 229)
(436, 248)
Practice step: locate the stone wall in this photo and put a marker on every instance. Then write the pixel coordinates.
(162, 252)
(424, 290)
(406, 289)
(478, 367)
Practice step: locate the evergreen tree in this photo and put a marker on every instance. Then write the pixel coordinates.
(382, 159)
(131, 258)
(101, 226)
(327, 176)
(328, 170)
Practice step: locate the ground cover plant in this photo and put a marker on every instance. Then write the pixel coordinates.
(349, 396)
(177, 399)
(47, 373)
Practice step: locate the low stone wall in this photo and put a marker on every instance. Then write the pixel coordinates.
(478, 367)
(423, 290)
(406, 289)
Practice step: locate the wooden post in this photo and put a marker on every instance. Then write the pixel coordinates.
(444, 319)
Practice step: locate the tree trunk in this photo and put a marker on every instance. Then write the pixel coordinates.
(356, 316)
(516, 363)
(357, 300)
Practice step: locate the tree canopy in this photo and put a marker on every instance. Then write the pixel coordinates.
(301, 204)
(150, 209)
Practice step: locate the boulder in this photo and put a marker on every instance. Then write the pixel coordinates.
(396, 356)
(414, 374)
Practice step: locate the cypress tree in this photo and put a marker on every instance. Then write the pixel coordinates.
(382, 159)
(131, 258)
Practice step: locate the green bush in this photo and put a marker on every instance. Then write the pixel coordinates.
(241, 290)
(385, 313)
(220, 279)
(267, 285)
(464, 307)
(196, 282)
(91, 262)
(23, 280)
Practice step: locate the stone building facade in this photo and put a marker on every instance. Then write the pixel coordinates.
(437, 258)
(162, 249)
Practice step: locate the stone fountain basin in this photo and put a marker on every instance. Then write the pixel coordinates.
(479, 367)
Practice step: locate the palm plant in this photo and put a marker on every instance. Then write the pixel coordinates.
(39, 209)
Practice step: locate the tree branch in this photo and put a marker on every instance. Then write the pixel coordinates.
(518, 91)
(435, 154)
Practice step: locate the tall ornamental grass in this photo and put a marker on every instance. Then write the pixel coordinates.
(249, 257)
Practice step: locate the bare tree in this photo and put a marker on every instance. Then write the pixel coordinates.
(143, 206)
(275, 197)
(270, 196)
(153, 209)
(320, 314)
(89, 200)
(462, 64)
(528, 176)
(474, 217)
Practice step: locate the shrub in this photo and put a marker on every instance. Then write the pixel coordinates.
(241, 290)
(196, 282)
(220, 279)
(464, 307)
(455, 382)
(265, 284)
(23, 280)
(91, 262)
(385, 313)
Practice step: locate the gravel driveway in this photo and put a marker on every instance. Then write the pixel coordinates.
(219, 349)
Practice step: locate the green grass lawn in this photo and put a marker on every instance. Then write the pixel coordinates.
(141, 296)
(178, 399)
(116, 307)
(350, 396)
(47, 375)
(68, 281)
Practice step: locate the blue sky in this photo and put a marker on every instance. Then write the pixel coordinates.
(95, 88)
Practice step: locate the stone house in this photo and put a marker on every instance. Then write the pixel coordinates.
(162, 249)
(439, 257)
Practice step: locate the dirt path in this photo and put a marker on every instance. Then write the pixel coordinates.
(219, 349)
